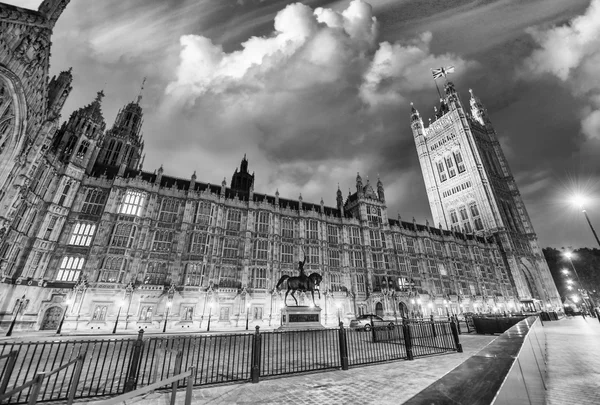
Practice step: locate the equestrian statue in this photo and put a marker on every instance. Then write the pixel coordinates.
(301, 283)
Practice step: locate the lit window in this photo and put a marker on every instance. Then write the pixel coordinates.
(70, 269)
(82, 234)
(156, 274)
(132, 203)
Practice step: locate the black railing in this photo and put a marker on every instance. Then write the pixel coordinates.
(116, 366)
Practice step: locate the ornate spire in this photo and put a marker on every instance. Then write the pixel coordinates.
(141, 90)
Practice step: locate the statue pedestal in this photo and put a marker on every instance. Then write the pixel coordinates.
(301, 318)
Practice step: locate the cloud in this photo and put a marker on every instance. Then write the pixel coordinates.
(571, 52)
(317, 99)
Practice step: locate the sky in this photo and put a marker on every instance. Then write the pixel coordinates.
(317, 91)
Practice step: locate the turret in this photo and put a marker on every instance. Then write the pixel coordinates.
(123, 143)
(58, 91)
(478, 111)
(380, 191)
(359, 185)
(340, 201)
(52, 9)
(77, 139)
(242, 180)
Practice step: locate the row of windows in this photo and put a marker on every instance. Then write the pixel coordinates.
(465, 221)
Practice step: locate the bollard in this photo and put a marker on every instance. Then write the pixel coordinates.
(455, 336)
(343, 347)
(407, 341)
(255, 366)
(134, 364)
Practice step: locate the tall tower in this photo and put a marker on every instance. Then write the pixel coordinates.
(471, 189)
(123, 143)
(242, 180)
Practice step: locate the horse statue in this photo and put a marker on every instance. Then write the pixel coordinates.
(301, 283)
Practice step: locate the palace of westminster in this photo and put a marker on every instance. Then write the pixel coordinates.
(87, 235)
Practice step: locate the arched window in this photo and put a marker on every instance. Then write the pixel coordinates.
(64, 194)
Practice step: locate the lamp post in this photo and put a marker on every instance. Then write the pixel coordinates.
(569, 256)
(167, 316)
(14, 320)
(69, 303)
(209, 314)
(121, 303)
(580, 200)
(129, 296)
(337, 306)
(247, 314)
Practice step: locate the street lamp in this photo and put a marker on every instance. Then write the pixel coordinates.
(580, 200)
(14, 320)
(337, 305)
(69, 302)
(569, 256)
(121, 303)
(247, 314)
(167, 316)
(209, 314)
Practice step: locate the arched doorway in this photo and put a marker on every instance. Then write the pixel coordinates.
(379, 309)
(51, 318)
(403, 309)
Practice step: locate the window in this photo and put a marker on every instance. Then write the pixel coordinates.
(162, 241)
(115, 155)
(82, 234)
(99, 313)
(195, 274)
(123, 235)
(360, 283)
(478, 224)
(468, 228)
(450, 166)
(83, 148)
(20, 215)
(402, 264)
(199, 243)
(257, 313)
(442, 171)
(356, 259)
(156, 274)
(64, 195)
(332, 234)
(202, 213)
(432, 267)
(474, 210)
(375, 239)
(453, 217)
(459, 162)
(428, 246)
(410, 245)
(287, 253)
(234, 220)
(414, 265)
(355, 236)
(378, 261)
(112, 270)
(312, 230)
(335, 281)
(187, 313)
(228, 277)
(230, 248)
(287, 228)
(132, 203)
(398, 242)
(261, 247)
(50, 228)
(313, 255)
(463, 214)
(94, 202)
(334, 258)
(146, 314)
(438, 248)
(262, 224)
(70, 269)
(168, 210)
(259, 279)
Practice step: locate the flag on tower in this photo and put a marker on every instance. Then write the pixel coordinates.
(437, 73)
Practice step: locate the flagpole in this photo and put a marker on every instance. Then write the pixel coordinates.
(436, 86)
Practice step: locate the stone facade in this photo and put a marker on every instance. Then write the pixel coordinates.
(89, 236)
(471, 189)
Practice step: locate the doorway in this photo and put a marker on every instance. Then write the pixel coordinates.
(51, 318)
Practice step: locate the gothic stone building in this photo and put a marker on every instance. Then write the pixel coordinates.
(87, 235)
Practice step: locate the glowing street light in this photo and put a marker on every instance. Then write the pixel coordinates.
(565, 271)
(580, 201)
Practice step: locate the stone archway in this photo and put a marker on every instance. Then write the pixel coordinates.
(379, 309)
(403, 309)
(530, 281)
(51, 318)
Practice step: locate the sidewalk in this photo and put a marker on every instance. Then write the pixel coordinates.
(388, 383)
(573, 361)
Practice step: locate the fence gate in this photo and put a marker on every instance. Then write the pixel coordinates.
(51, 318)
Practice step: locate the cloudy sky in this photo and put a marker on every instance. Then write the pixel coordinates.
(317, 91)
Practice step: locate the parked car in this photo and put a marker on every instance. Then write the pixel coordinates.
(367, 321)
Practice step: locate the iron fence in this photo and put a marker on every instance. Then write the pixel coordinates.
(116, 366)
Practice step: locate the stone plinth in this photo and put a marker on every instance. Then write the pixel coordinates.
(301, 318)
